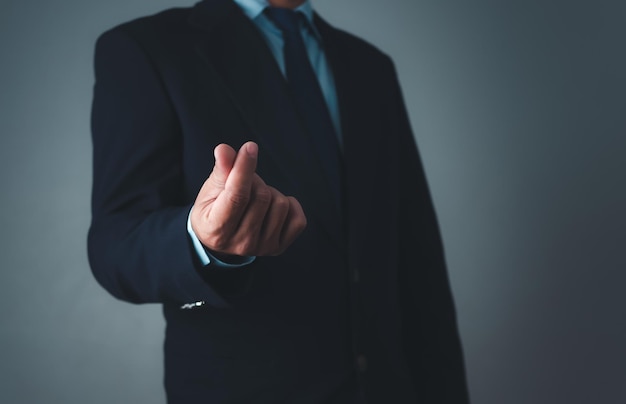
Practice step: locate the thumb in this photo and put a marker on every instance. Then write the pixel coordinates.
(224, 160)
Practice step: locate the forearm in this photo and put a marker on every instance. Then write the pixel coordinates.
(148, 259)
(139, 248)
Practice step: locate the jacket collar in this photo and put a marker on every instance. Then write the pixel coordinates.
(210, 14)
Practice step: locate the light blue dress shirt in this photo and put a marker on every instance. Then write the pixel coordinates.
(253, 9)
(313, 42)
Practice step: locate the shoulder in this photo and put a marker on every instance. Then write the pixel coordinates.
(160, 27)
(150, 37)
(170, 20)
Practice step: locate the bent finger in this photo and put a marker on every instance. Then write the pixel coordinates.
(271, 233)
(246, 235)
(241, 175)
(231, 203)
(294, 224)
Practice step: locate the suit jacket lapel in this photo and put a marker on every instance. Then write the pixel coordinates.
(354, 93)
(232, 48)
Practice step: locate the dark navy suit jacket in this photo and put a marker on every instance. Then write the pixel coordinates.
(359, 306)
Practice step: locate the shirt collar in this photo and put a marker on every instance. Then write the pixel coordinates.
(254, 8)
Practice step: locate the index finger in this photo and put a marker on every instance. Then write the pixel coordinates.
(239, 181)
(232, 202)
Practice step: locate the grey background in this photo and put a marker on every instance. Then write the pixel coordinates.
(519, 108)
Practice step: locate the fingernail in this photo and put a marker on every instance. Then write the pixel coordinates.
(252, 149)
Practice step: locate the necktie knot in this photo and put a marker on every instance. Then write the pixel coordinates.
(285, 19)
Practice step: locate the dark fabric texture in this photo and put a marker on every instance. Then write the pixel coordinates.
(307, 94)
(358, 309)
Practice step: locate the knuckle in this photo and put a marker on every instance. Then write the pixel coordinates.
(238, 199)
(263, 195)
(278, 250)
(270, 250)
(281, 202)
(211, 183)
(274, 246)
(245, 247)
(269, 243)
(300, 222)
(217, 242)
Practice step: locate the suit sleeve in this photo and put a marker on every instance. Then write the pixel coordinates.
(431, 338)
(138, 245)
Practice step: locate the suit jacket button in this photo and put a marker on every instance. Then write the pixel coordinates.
(361, 363)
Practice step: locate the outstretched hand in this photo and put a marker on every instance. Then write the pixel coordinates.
(236, 213)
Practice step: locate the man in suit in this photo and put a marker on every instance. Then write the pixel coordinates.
(284, 223)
